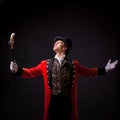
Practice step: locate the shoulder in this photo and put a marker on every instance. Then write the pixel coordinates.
(72, 60)
(75, 62)
(44, 61)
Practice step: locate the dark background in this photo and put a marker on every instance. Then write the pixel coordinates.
(94, 29)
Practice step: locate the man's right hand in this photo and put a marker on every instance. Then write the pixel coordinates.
(13, 66)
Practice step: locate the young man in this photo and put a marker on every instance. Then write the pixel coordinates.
(60, 76)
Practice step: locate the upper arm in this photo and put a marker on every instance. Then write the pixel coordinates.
(34, 71)
(85, 71)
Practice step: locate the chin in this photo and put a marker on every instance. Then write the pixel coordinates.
(54, 50)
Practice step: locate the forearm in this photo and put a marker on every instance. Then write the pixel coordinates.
(101, 71)
(19, 71)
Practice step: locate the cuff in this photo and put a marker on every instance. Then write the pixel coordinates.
(101, 71)
(19, 72)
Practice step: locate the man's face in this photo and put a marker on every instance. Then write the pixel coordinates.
(59, 46)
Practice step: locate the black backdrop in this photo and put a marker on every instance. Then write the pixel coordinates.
(94, 30)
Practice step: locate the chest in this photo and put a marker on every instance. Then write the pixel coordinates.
(62, 71)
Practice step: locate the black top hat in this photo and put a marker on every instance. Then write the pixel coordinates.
(66, 41)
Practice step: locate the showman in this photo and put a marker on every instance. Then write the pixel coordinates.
(60, 75)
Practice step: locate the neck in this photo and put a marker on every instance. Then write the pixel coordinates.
(60, 55)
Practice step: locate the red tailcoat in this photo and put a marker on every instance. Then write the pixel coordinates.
(41, 70)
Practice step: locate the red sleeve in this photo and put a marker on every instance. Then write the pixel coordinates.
(85, 71)
(32, 72)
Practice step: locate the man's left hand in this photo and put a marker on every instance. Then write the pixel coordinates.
(110, 65)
